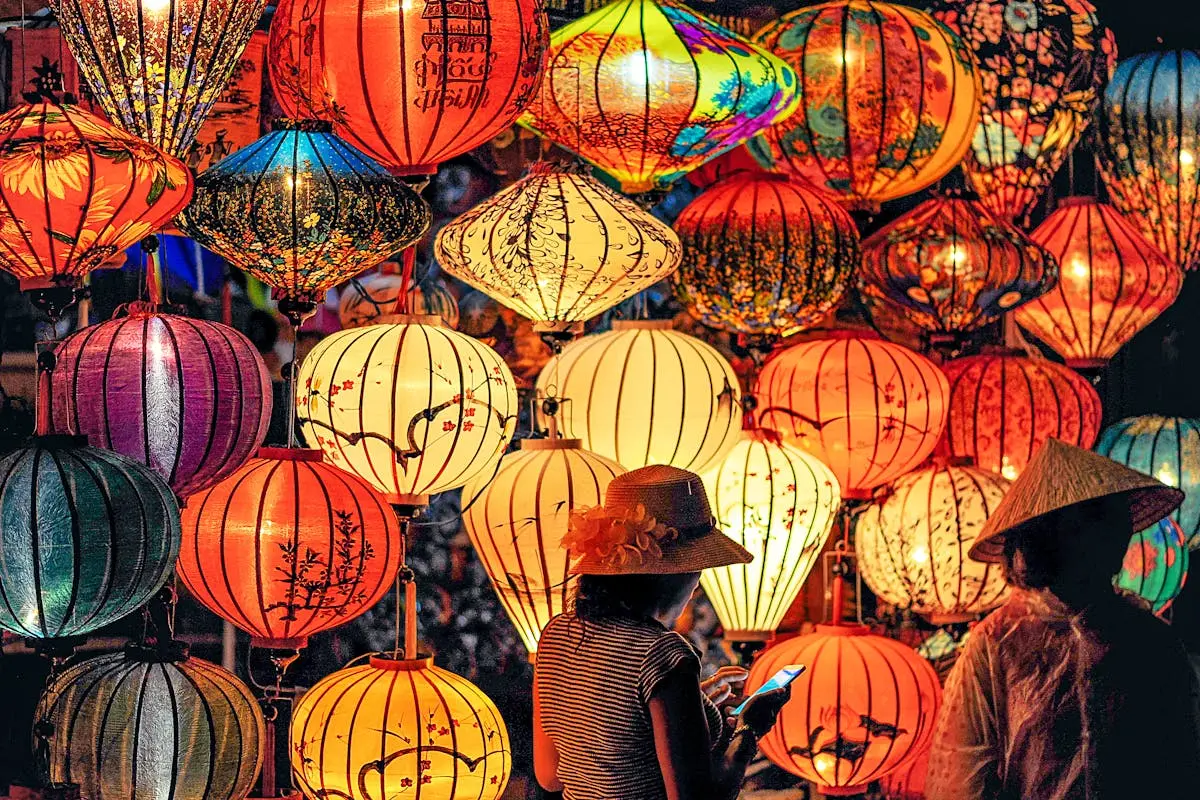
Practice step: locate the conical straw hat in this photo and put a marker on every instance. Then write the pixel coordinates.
(1061, 475)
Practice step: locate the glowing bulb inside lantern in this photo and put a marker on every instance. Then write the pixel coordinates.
(1186, 159)
(155, 6)
(919, 555)
(1079, 267)
(639, 70)
(1007, 470)
(1167, 475)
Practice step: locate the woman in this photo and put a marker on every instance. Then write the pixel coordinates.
(619, 710)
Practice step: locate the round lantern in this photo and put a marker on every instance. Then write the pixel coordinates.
(648, 90)
(372, 296)
(191, 399)
(764, 254)
(410, 84)
(389, 728)
(865, 707)
(1156, 565)
(86, 537)
(1043, 65)
(907, 782)
(912, 545)
(158, 66)
(644, 394)
(1167, 448)
(1113, 283)
(779, 503)
(76, 191)
(517, 519)
(952, 267)
(1003, 407)
(890, 100)
(288, 546)
(136, 725)
(412, 407)
(1149, 147)
(869, 409)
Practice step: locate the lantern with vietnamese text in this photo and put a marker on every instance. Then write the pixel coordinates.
(1156, 564)
(374, 295)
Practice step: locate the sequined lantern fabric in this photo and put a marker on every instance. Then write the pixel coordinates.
(1156, 565)
(372, 296)
(648, 90)
(75, 192)
(764, 255)
(890, 100)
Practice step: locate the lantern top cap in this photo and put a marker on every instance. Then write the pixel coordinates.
(303, 125)
(642, 325)
(387, 662)
(289, 454)
(551, 444)
(1077, 200)
(843, 630)
(432, 320)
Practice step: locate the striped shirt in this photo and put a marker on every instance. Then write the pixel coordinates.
(594, 682)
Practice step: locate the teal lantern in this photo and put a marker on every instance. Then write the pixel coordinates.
(1155, 565)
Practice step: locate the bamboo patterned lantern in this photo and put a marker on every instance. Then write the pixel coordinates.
(374, 295)
(1113, 283)
(1156, 565)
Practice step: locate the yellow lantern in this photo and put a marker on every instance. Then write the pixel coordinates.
(517, 519)
(397, 729)
(779, 503)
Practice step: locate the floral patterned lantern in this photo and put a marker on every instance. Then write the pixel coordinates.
(890, 100)
(372, 296)
(1043, 66)
(764, 254)
(648, 90)
(1113, 283)
(1156, 565)
(410, 84)
(558, 247)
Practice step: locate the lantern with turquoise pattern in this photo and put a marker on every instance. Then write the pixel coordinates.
(1156, 565)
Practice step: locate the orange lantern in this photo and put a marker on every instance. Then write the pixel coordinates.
(1004, 406)
(288, 546)
(870, 409)
(1113, 283)
(865, 707)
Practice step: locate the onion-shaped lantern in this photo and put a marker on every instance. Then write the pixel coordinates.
(1156, 564)
(86, 537)
(558, 247)
(890, 100)
(870, 409)
(76, 191)
(779, 503)
(372, 296)
(140, 725)
(1043, 66)
(644, 394)
(1112, 283)
(288, 546)
(1167, 448)
(952, 266)
(391, 728)
(409, 405)
(648, 90)
(409, 84)
(157, 67)
(517, 519)
(190, 399)
(764, 255)
(1003, 407)
(865, 707)
(912, 545)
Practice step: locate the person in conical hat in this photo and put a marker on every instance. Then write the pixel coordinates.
(1069, 691)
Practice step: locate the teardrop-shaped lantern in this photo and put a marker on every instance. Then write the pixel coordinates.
(374, 295)
(1156, 565)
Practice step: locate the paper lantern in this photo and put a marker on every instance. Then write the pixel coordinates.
(779, 503)
(372, 296)
(191, 399)
(389, 728)
(870, 409)
(303, 211)
(890, 100)
(907, 782)
(517, 519)
(952, 267)
(648, 90)
(1156, 565)
(1149, 146)
(912, 545)
(558, 248)
(410, 406)
(1003, 407)
(158, 66)
(75, 192)
(1113, 283)
(409, 84)
(1043, 66)
(644, 394)
(1167, 448)
(764, 255)
(86, 537)
(136, 725)
(865, 707)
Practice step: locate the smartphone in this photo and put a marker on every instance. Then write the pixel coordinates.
(779, 680)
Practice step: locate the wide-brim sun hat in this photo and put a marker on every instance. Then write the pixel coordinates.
(1060, 476)
(655, 521)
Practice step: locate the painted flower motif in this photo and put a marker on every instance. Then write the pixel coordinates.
(1021, 15)
(58, 159)
(616, 537)
(1140, 561)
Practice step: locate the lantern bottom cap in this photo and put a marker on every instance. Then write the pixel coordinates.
(1086, 363)
(408, 503)
(293, 643)
(749, 636)
(572, 328)
(842, 791)
(938, 618)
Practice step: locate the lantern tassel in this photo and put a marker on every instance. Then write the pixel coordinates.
(154, 278)
(409, 260)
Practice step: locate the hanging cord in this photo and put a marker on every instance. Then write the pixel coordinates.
(406, 588)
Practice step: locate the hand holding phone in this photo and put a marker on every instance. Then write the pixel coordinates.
(781, 679)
